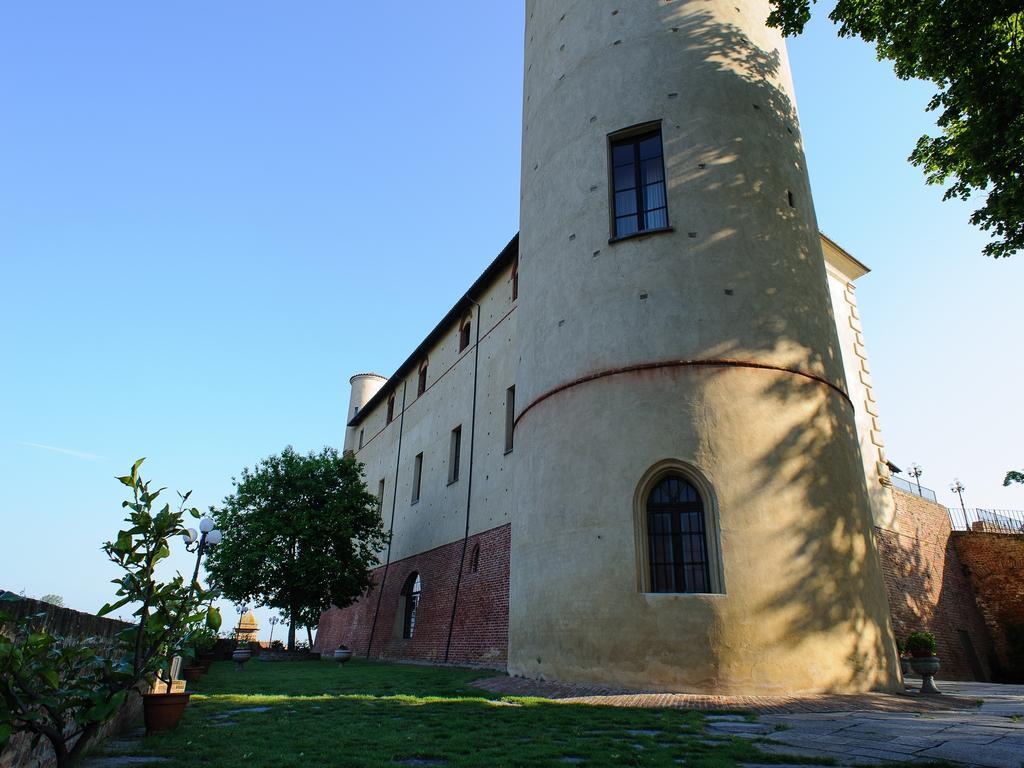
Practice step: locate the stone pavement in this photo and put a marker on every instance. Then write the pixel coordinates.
(991, 736)
(862, 729)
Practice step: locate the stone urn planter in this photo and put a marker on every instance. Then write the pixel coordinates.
(240, 656)
(193, 673)
(162, 711)
(342, 655)
(927, 667)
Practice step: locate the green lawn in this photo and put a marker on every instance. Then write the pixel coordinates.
(312, 714)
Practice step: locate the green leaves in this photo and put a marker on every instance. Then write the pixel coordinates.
(973, 53)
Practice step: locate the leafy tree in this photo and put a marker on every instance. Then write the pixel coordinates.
(1013, 477)
(973, 52)
(53, 600)
(301, 532)
(63, 690)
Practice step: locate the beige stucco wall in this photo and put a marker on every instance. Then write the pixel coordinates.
(742, 278)
(439, 517)
(843, 270)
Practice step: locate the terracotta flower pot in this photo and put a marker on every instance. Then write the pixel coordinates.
(192, 673)
(162, 711)
(341, 655)
(240, 656)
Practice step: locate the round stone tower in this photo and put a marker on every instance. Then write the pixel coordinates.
(364, 387)
(690, 510)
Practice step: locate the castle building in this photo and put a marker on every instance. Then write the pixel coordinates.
(642, 449)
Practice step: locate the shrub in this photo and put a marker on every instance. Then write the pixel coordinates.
(921, 644)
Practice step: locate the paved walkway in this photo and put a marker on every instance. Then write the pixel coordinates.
(863, 729)
(571, 693)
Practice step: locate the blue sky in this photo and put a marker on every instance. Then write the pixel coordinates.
(212, 214)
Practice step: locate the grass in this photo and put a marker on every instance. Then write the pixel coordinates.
(375, 714)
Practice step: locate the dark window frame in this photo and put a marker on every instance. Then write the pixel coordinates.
(411, 593)
(464, 334)
(417, 477)
(633, 138)
(421, 381)
(515, 280)
(391, 409)
(454, 455)
(510, 418)
(677, 537)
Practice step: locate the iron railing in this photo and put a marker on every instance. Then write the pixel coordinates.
(987, 520)
(914, 488)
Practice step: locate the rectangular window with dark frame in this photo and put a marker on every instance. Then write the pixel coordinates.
(417, 473)
(454, 455)
(360, 438)
(380, 495)
(510, 417)
(638, 184)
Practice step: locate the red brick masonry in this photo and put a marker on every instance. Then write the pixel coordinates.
(479, 633)
(929, 590)
(572, 693)
(995, 564)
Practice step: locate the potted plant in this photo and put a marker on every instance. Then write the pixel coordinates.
(921, 647)
(169, 612)
(342, 654)
(65, 692)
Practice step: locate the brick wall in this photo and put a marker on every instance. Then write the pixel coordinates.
(20, 752)
(929, 589)
(995, 566)
(480, 626)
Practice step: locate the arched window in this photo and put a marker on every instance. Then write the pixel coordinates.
(421, 383)
(677, 537)
(464, 334)
(474, 561)
(391, 409)
(411, 600)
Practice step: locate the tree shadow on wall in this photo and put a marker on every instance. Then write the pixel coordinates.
(833, 589)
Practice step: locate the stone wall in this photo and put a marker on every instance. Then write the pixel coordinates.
(67, 623)
(479, 632)
(929, 589)
(995, 566)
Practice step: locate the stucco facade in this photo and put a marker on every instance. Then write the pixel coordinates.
(707, 349)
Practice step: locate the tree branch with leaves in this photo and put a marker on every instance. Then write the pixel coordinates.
(973, 53)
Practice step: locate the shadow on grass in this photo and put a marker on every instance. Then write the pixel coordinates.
(372, 714)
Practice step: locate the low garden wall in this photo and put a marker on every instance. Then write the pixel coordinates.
(76, 625)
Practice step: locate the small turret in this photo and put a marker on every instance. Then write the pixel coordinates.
(364, 387)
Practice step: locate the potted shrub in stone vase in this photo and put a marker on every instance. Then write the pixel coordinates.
(342, 654)
(921, 647)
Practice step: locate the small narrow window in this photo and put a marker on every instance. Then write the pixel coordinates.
(638, 184)
(510, 417)
(421, 383)
(417, 473)
(360, 438)
(411, 600)
(380, 495)
(355, 412)
(391, 409)
(454, 454)
(515, 280)
(792, 200)
(474, 562)
(464, 334)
